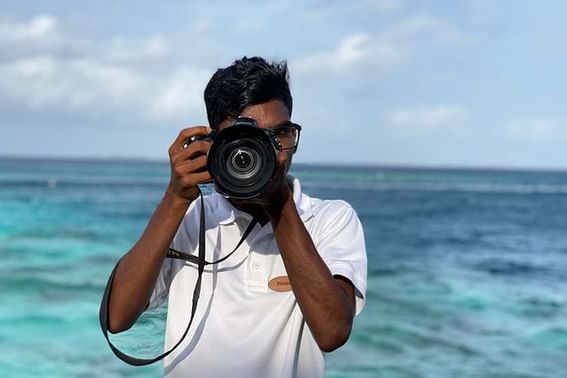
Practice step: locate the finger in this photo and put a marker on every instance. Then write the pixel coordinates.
(193, 166)
(186, 134)
(194, 150)
(192, 172)
(203, 177)
(196, 178)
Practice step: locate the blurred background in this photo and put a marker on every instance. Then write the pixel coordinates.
(442, 123)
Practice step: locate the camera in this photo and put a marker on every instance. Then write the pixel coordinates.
(242, 158)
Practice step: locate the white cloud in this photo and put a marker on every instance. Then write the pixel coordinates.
(360, 52)
(41, 36)
(49, 70)
(38, 36)
(46, 83)
(180, 93)
(428, 117)
(537, 129)
(355, 53)
(127, 50)
(39, 27)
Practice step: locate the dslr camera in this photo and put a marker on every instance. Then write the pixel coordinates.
(242, 158)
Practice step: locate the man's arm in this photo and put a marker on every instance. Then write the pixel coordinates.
(139, 269)
(327, 302)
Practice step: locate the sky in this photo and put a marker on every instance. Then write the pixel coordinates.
(471, 83)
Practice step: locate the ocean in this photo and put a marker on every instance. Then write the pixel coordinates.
(467, 269)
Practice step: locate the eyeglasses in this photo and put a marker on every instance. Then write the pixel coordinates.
(285, 136)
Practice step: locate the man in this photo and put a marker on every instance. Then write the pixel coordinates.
(290, 291)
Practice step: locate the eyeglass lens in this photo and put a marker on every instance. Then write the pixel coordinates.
(287, 136)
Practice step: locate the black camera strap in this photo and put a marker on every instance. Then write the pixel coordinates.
(172, 253)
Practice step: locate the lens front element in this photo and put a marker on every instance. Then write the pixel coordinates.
(243, 163)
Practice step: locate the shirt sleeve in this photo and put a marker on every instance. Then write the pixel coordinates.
(161, 288)
(341, 245)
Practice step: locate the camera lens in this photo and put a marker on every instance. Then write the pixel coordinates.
(243, 163)
(242, 160)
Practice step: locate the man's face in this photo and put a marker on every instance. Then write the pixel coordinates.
(268, 115)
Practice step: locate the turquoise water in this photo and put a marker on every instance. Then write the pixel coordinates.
(467, 269)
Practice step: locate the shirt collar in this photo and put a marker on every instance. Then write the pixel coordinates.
(226, 213)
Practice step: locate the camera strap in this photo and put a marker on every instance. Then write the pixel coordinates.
(172, 253)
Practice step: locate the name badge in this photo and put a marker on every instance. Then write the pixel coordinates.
(280, 284)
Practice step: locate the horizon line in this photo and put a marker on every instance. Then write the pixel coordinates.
(142, 159)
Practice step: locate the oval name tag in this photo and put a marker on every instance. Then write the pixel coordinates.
(280, 283)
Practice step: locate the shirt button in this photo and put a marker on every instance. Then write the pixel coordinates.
(256, 267)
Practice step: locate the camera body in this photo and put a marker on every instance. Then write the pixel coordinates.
(242, 159)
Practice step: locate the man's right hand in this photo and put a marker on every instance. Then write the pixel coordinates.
(189, 165)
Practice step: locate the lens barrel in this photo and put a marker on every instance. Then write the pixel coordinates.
(242, 160)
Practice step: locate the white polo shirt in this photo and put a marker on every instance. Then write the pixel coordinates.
(243, 328)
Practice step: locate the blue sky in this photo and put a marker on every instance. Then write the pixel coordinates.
(472, 83)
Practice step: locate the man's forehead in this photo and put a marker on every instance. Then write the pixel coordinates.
(269, 114)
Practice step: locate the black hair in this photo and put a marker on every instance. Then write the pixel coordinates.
(248, 81)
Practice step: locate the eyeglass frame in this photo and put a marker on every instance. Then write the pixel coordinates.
(271, 132)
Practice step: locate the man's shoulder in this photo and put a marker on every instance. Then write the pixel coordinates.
(330, 207)
(328, 214)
